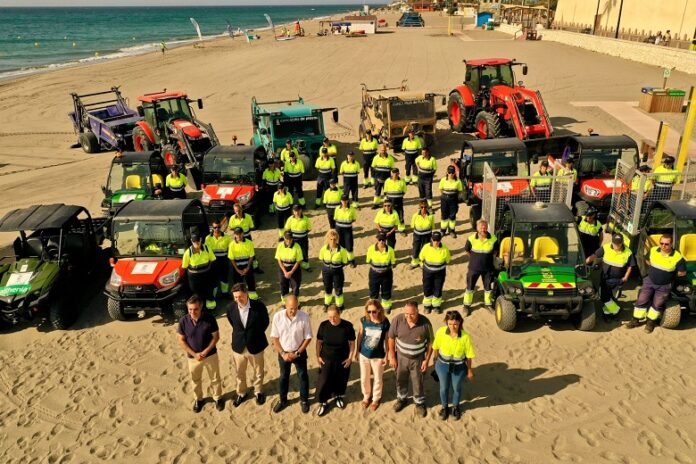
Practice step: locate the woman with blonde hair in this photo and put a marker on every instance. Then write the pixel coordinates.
(333, 257)
(372, 353)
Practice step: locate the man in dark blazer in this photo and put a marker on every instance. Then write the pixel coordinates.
(249, 321)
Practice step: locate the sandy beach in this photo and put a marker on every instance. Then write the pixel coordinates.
(119, 391)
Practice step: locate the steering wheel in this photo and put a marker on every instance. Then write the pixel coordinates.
(52, 249)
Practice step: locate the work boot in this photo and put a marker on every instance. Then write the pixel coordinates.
(466, 310)
(456, 412)
(443, 414)
(400, 404)
(428, 309)
(421, 410)
(649, 326)
(633, 323)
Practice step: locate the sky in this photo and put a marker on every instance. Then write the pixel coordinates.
(63, 3)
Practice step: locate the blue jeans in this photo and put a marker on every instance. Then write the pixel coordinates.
(301, 367)
(453, 377)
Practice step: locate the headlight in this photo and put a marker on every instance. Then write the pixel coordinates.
(169, 279)
(205, 198)
(244, 199)
(685, 289)
(593, 192)
(115, 280)
(587, 291)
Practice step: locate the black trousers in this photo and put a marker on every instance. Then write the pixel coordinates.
(294, 185)
(433, 282)
(181, 194)
(380, 284)
(350, 187)
(247, 279)
(333, 380)
(201, 283)
(293, 283)
(608, 287)
(473, 276)
(304, 246)
(333, 280)
(284, 380)
(267, 196)
(282, 217)
(322, 185)
(449, 207)
(410, 163)
(220, 270)
(345, 237)
(425, 188)
(398, 205)
(330, 215)
(380, 178)
(419, 242)
(391, 239)
(367, 165)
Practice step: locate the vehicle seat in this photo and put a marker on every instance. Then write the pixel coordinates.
(654, 239)
(687, 247)
(544, 247)
(133, 182)
(33, 247)
(506, 245)
(157, 179)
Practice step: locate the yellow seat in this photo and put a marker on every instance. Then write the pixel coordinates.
(687, 247)
(133, 182)
(157, 179)
(544, 248)
(505, 245)
(655, 240)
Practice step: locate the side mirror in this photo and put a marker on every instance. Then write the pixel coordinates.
(581, 270)
(334, 115)
(444, 101)
(520, 83)
(103, 187)
(141, 112)
(200, 103)
(524, 69)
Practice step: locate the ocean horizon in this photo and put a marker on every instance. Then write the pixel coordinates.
(34, 39)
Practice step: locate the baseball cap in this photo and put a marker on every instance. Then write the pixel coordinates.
(238, 230)
(545, 163)
(617, 239)
(437, 236)
(287, 234)
(195, 237)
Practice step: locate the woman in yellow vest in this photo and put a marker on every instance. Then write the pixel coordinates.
(590, 232)
(282, 204)
(325, 166)
(350, 169)
(434, 258)
(197, 261)
(300, 225)
(241, 254)
(176, 183)
(381, 259)
(218, 242)
(453, 352)
(368, 146)
(423, 224)
(289, 257)
(334, 257)
(344, 217)
(450, 187)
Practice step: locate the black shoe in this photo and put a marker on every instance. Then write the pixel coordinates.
(304, 405)
(399, 405)
(444, 232)
(649, 326)
(454, 234)
(197, 406)
(326, 307)
(388, 311)
(456, 413)
(443, 414)
(428, 309)
(239, 400)
(323, 409)
(632, 324)
(220, 405)
(352, 264)
(340, 403)
(260, 398)
(466, 310)
(421, 410)
(280, 405)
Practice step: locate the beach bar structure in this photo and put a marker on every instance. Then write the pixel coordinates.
(365, 23)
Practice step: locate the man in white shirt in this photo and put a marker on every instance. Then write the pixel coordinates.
(291, 333)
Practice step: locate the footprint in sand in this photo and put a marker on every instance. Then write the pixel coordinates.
(613, 457)
(524, 434)
(559, 450)
(685, 438)
(653, 443)
(158, 420)
(100, 451)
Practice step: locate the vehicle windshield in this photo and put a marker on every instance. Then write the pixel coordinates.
(293, 127)
(497, 75)
(175, 108)
(502, 163)
(602, 162)
(546, 244)
(131, 176)
(233, 170)
(411, 109)
(149, 238)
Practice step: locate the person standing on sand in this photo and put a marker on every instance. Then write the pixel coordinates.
(163, 47)
(481, 249)
(372, 353)
(291, 333)
(381, 259)
(198, 334)
(410, 347)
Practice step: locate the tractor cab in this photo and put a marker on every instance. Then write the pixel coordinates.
(133, 176)
(148, 240)
(230, 175)
(542, 271)
(58, 248)
(482, 75)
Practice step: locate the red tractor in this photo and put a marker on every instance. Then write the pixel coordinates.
(490, 104)
(171, 125)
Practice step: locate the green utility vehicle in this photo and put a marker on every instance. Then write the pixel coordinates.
(133, 176)
(542, 271)
(57, 252)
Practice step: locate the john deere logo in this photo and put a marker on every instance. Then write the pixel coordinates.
(12, 290)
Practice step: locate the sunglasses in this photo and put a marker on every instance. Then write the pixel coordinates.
(665, 244)
(373, 312)
(216, 227)
(380, 240)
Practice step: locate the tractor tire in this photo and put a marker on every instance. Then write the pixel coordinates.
(115, 310)
(179, 309)
(140, 140)
(586, 319)
(59, 313)
(672, 316)
(456, 112)
(487, 125)
(505, 314)
(170, 156)
(89, 142)
(474, 215)
(581, 208)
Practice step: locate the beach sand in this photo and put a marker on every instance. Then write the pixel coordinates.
(118, 391)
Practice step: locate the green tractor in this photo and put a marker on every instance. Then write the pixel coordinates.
(542, 271)
(59, 255)
(133, 176)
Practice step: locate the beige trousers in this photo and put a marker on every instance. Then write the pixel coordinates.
(368, 368)
(240, 364)
(211, 364)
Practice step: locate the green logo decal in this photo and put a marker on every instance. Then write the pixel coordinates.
(12, 290)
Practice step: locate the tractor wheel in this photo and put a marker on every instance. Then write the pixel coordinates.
(505, 314)
(474, 215)
(170, 156)
(140, 140)
(179, 309)
(581, 208)
(89, 142)
(115, 310)
(60, 313)
(456, 112)
(586, 319)
(487, 125)
(672, 316)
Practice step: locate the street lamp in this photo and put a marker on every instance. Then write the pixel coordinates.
(594, 24)
(618, 22)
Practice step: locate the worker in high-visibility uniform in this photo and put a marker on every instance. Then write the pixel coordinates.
(426, 166)
(450, 188)
(481, 248)
(617, 263)
(246, 222)
(272, 176)
(434, 257)
(293, 172)
(332, 200)
(325, 167)
(289, 257)
(176, 183)
(666, 178)
(665, 264)
(568, 169)
(382, 165)
(381, 259)
(334, 257)
(344, 217)
(541, 182)
(218, 242)
(300, 225)
(350, 169)
(590, 232)
(241, 254)
(333, 154)
(423, 224)
(287, 151)
(282, 204)
(635, 186)
(197, 261)
(394, 190)
(368, 146)
(387, 222)
(411, 147)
